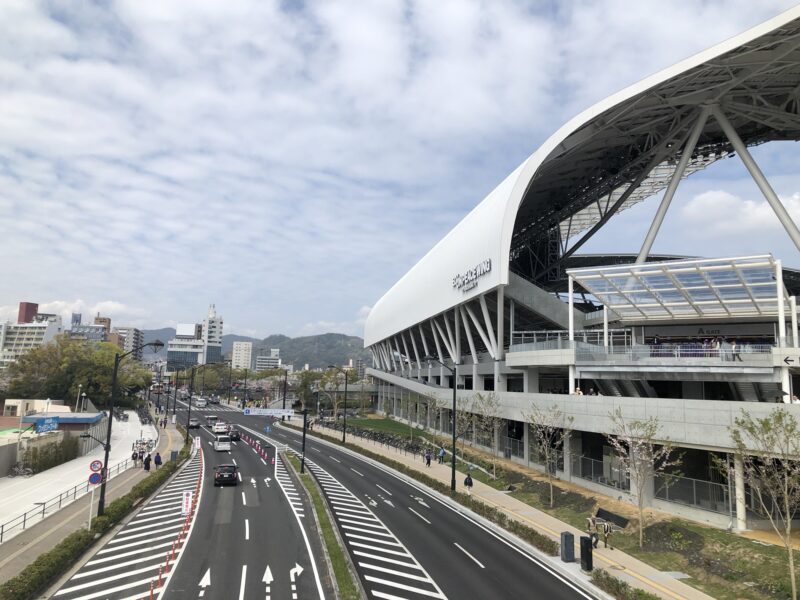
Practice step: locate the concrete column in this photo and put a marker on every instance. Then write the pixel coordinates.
(530, 380)
(573, 447)
(475, 383)
(526, 449)
(741, 506)
(499, 378)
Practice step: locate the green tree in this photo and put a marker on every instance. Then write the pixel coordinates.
(770, 451)
(304, 383)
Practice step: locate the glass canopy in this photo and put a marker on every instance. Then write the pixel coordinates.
(687, 289)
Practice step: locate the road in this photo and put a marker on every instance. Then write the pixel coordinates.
(406, 543)
(250, 544)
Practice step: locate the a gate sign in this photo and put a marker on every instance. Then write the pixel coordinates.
(269, 412)
(96, 465)
(95, 478)
(186, 502)
(46, 424)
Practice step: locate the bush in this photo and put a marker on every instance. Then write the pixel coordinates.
(51, 455)
(619, 589)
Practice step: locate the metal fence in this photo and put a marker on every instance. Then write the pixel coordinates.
(512, 447)
(668, 353)
(556, 458)
(600, 472)
(705, 495)
(55, 503)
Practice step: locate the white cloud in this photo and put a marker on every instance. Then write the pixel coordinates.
(719, 213)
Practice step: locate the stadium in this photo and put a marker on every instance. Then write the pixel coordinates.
(506, 304)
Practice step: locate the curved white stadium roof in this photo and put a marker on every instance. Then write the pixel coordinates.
(619, 152)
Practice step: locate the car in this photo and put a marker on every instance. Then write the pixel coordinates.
(214, 400)
(210, 420)
(200, 402)
(225, 475)
(194, 423)
(219, 427)
(222, 443)
(234, 434)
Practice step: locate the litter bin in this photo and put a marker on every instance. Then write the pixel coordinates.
(586, 553)
(173, 455)
(567, 547)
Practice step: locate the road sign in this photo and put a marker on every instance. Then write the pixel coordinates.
(96, 465)
(186, 502)
(269, 412)
(267, 429)
(95, 478)
(46, 424)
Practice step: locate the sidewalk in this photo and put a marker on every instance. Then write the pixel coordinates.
(617, 563)
(23, 549)
(19, 494)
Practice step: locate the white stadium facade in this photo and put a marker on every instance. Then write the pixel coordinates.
(509, 306)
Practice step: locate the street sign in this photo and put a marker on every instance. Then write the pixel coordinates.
(96, 465)
(186, 502)
(95, 478)
(46, 424)
(267, 429)
(269, 412)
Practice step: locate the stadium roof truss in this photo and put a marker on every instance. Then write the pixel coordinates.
(749, 286)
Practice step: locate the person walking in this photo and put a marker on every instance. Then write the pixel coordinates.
(441, 455)
(146, 462)
(134, 458)
(607, 529)
(591, 530)
(427, 457)
(141, 456)
(157, 460)
(468, 484)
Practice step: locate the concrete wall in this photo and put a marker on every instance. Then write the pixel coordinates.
(8, 456)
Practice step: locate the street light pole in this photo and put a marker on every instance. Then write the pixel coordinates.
(101, 504)
(78, 399)
(230, 382)
(191, 393)
(344, 424)
(305, 426)
(175, 392)
(454, 373)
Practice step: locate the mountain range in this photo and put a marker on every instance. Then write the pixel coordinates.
(316, 350)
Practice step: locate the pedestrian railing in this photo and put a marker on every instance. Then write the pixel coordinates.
(53, 504)
(697, 493)
(600, 472)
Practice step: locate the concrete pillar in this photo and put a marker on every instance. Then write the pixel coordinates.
(530, 380)
(741, 506)
(475, 383)
(573, 447)
(499, 378)
(526, 448)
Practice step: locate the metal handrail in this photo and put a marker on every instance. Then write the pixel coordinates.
(64, 498)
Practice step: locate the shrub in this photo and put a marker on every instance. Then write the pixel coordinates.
(619, 589)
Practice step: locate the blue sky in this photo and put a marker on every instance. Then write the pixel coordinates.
(290, 161)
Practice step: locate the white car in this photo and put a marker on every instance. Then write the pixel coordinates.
(200, 402)
(222, 443)
(219, 427)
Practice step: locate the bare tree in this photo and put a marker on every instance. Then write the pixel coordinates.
(770, 451)
(643, 452)
(549, 427)
(485, 408)
(462, 420)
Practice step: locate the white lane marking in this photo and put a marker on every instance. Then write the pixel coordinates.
(356, 472)
(121, 538)
(246, 529)
(386, 596)
(333, 458)
(263, 461)
(372, 539)
(239, 475)
(244, 500)
(359, 522)
(160, 521)
(369, 531)
(402, 586)
(136, 561)
(316, 450)
(419, 515)
(97, 561)
(393, 572)
(106, 592)
(233, 460)
(384, 489)
(241, 585)
(386, 559)
(83, 586)
(379, 549)
(477, 562)
(132, 544)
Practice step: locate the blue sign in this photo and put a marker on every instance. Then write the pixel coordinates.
(46, 424)
(267, 429)
(95, 478)
(247, 411)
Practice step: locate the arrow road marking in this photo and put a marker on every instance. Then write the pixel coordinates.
(206, 580)
(420, 501)
(389, 502)
(267, 579)
(267, 480)
(294, 573)
(253, 481)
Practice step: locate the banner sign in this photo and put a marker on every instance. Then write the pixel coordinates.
(46, 424)
(269, 412)
(186, 502)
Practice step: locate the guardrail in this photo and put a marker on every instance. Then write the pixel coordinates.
(56, 502)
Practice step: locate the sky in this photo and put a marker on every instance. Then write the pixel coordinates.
(290, 161)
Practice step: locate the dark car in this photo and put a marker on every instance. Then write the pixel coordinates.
(225, 475)
(235, 434)
(194, 423)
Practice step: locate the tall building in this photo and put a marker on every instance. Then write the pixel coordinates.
(104, 321)
(242, 356)
(505, 305)
(76, 319)
(361, 368)
(17, 339)
(212, 336)
(196, 344)
(131, 338)
(27, 311)
(268, 360)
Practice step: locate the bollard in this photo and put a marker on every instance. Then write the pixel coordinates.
(159, 576)
(586, 553)
(567, 547)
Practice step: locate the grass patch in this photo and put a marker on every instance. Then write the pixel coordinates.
(723, 565)
(348, 590)
(619, 589)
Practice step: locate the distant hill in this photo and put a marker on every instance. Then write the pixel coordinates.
(316, 350)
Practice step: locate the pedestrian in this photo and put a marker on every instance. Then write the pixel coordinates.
(427, 457)
(157, 460)
(591, 529)
(146, 462)
(468, 484)
(607, 529)
(441, 455)
(135, 457)
(141, 455)
(735, 352)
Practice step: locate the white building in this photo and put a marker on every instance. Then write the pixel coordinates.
(242, 355)
(212, 336)
(17, 339)
(504, 304)
(196, 344)
(269, 361)
(132, 338)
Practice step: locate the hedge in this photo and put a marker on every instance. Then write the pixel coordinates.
(619, 589)
(41, 573)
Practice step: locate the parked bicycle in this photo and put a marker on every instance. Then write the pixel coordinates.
(20, 469)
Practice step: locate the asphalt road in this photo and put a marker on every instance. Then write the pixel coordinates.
(244, 530)
(437, 552)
